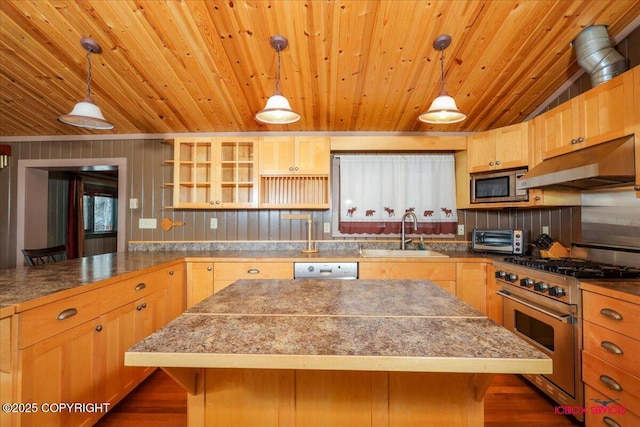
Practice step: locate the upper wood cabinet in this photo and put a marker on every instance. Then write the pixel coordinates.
(297, 155)
(210, 173)
(598, 115)
(294, 172)
(503, 148)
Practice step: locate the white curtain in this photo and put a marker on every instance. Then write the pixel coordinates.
(376, 190)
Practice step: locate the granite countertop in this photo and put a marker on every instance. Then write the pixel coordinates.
(392, 325)
(25, 284)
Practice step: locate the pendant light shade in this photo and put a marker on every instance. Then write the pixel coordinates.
(277, 111)
(86, 114)
(443, 109)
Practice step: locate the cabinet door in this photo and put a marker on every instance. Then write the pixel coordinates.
(193, 169)
(512, 146)
(235, 179)
(277, 155)
(61, 369)
(481, 152)
(559, 129)
(312, 155)
(199, 282)
(176, 291)
(471, 284)
(602, 112)
(149, 317)
(119, 334)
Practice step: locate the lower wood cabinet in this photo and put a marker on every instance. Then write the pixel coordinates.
(63, 357)
(610, 368)
(468, 281)
(225, 273)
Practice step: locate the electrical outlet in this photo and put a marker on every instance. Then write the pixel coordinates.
(147, 223)
(214, 223)
(460, 229)
(327, 227)
(545, 229)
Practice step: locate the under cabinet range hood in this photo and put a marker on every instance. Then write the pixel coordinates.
(610, 164)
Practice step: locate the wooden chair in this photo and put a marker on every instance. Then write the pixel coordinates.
(45, 255)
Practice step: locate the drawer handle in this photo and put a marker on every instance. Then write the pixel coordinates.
(610, 382)
(141, 306)
(140, 286)
(65, 314)
(253, 271)
(610, 422)
(99, 328)
(611, 347)
(611, 314)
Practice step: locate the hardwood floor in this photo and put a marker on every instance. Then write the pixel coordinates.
(159, 402)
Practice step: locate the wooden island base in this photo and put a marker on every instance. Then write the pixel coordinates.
(304, 398)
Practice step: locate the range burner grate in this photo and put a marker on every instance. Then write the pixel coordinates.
(576, 267)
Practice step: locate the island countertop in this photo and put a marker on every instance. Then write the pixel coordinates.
(372, 325)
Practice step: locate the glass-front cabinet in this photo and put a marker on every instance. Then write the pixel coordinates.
(210, 173)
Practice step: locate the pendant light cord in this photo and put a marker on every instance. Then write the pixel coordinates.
(442, 69)
(278, 72)
(89, 75)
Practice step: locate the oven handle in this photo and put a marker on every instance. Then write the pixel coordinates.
(564, 319)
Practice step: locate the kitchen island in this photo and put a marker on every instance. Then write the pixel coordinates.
(335, 352)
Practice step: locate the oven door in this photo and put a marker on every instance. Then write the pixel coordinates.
(548, 330)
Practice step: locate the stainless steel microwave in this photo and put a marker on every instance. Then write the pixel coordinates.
(498, 187)
(498, 241)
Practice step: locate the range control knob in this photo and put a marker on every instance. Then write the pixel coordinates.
(527, 282)
(557, 291)
(541, 287)
(512, 277)
(501, 274)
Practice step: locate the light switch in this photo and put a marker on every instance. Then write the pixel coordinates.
(327, 227)
(133, 203)
(545, 229)
(460, 229)
(214, 223)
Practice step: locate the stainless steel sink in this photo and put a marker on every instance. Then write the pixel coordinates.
(397, 253)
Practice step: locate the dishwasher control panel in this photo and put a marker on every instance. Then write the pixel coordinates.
(325, 270)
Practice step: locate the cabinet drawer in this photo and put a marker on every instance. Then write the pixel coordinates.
(124, 292)
(615, 348)
(603, 376)
(600, 415)
(44, 322)
(252, 270)
(612, 313)
(397, 270)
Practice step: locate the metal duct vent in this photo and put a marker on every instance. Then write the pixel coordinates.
(596, 55)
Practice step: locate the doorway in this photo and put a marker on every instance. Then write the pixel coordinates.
(33, 194)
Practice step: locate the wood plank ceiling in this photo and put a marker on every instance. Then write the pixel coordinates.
(351, 65)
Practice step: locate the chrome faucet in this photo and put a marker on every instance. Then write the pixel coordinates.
(403, 243)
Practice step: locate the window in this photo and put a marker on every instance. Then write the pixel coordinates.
(100, 210)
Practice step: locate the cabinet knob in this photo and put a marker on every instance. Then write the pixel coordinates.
(99, 328)
(581, 139)
(290, 168)
(636, 187)
(139, 308)
(171, 273)
(296, 168)
(497, 162)
(537, 198)
(490, 163)
(209, 268)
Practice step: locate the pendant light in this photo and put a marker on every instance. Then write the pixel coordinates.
(86, 114)
(277, 111)
(443, 109)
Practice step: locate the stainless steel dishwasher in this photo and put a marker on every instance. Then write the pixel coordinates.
(325, 270)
